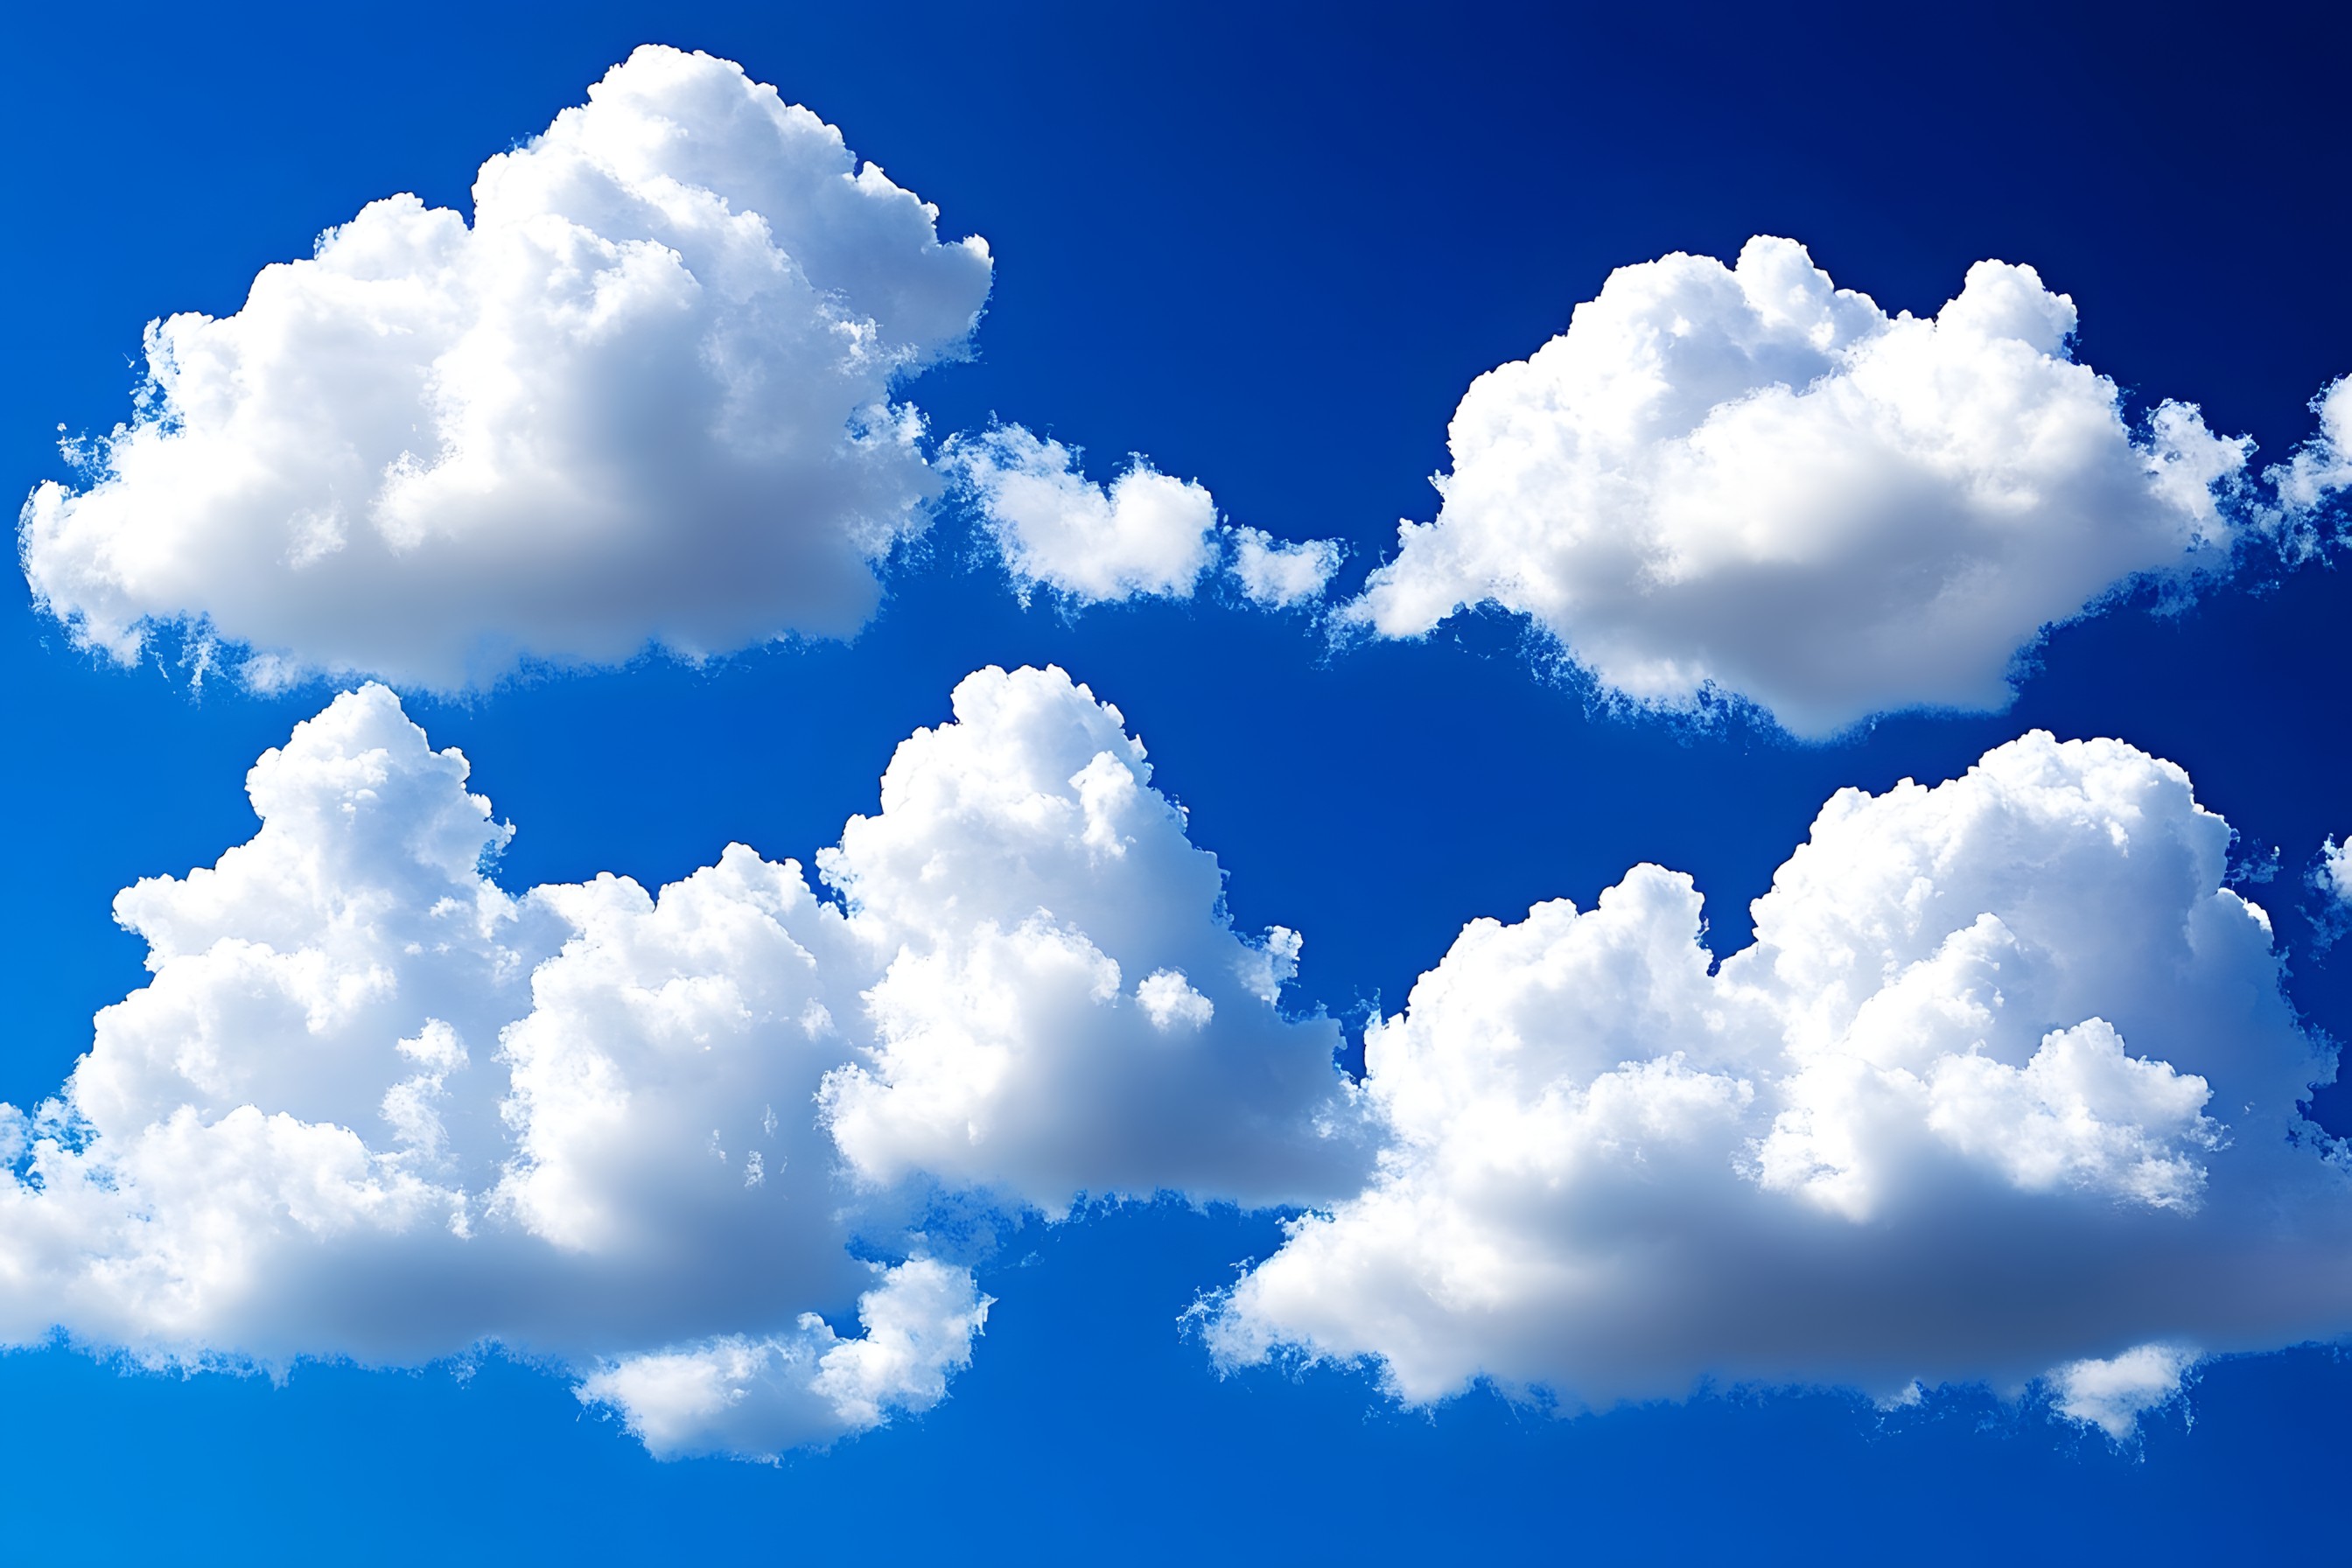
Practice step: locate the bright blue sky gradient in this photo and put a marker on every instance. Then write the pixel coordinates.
(1269, 246)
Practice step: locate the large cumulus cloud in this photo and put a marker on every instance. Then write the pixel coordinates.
(2004, 1089)
(372, 1105)
(645, 396)
(1746, 481)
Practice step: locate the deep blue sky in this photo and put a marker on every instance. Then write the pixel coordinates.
(1270, 246)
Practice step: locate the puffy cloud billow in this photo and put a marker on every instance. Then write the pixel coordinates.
(1275, 574)
(645, 397)
(2330, 877)
(1747, 483)
(685, 1140)
(1144, 535)
(2004, 1089)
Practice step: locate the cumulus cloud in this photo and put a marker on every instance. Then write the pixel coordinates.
(1277, 576)
(370, 1104)
(2322, 468)
(645, 397)
(753, 1396)
(2331, 877)
(2005, 1088)
(1145, 534)
(2113, 1394)
(1064, 1010)
(1745, 482)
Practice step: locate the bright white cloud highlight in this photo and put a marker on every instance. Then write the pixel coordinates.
(644, 397)
(1746, 481)
(372, 1105)
(2005, 1088)
(1145, 534)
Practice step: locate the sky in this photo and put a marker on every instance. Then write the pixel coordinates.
(1849, 1166)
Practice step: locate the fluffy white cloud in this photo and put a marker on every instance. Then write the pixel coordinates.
(1144, 534)
(2113, 1394)
(1278, 576)
(2331, 877)
(2322, 468)
(372, 1105)
(1747, 482)
(644, 397)
(2005, 1088)
(756, 1396)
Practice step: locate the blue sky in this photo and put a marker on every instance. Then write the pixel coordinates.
(1271, 251)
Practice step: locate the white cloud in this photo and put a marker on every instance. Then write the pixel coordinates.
(2331, 878)
(1747, 482)
(2006, 1083)
(1145, 534)
(1066, 1011)
(372, 1105)
(2322, 467)
(746, 1396)
(2113, 1394)
(1278, 576)
(2004, 1089)
(2333, 873)
(645, 397)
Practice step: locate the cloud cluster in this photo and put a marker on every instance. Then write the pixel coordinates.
(1145, 534)
(1276, 575)
(645, 397)
(1746, 481)
(1064, 1009)
(372, 1105)
(2005, 1088)
(2330, 877)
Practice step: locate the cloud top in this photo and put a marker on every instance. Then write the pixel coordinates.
(645, 397)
